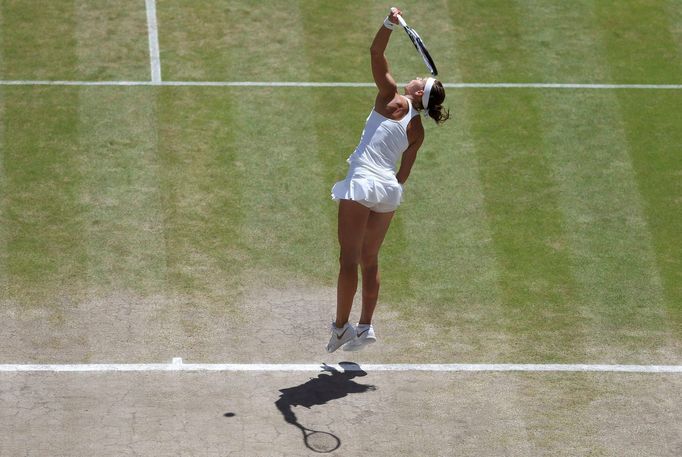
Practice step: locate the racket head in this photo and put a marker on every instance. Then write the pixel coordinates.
(421, 48)
(322, 442)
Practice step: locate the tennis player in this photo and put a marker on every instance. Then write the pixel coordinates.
(372, 190)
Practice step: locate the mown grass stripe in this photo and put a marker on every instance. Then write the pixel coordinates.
(532, 37)
(4, 281)
(652, 132)
(45, 256)
(449, 256)
(559, 42)
(608, 237)
(121, 192)
(190, 32)
(528, 229)
(201, 189)
(2, 41)
(3, 191)
(202, 177)
(111, 40)
(446, 263)
(638, 41)
(118, 159)
(673, 11)
(45, 245)
(286, 230)
(209, 39)
(520, 198)
(39, 40)
(336, 125)
(322, 52)
(285, 224)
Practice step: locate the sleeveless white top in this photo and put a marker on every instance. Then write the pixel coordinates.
(373, 164)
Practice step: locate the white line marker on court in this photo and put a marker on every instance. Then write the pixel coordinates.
(157, 81)
(75, 83)
(153, 32)
(561, 86)
(178, 365)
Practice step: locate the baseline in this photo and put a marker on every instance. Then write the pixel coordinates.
(178, 365)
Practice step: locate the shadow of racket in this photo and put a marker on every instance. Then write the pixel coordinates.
(322, 442)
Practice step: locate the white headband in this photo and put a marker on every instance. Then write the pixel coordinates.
(427, 92)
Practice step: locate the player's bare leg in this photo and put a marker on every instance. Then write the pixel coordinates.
(353, 218)
(377, 227)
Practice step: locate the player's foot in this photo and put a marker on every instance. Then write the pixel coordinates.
(340, 336)
(365, 336)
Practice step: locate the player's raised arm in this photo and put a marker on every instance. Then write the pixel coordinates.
(382, 77)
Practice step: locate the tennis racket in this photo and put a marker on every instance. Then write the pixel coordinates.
(419, 44)
(317, 441)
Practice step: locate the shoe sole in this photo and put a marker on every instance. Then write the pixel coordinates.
(329, 351)
(359, 346)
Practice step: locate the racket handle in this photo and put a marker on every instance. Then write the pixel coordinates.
(403, 24)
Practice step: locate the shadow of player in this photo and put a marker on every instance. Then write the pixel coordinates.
(329, 385)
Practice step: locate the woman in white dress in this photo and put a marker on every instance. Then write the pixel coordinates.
(373, 187)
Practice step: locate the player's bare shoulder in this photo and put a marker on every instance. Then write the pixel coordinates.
(415, 130)
(395, 107)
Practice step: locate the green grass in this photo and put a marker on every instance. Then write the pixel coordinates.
(44, 247)
(551, 218)
(76, 40)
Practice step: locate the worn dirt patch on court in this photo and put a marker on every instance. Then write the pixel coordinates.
(277, 322)
(285, 324)
(385, 414)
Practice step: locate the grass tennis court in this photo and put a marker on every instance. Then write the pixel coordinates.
(142, 223)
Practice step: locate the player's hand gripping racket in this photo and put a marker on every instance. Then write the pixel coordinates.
(419, 44)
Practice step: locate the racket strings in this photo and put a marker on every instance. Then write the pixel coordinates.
(322, 442)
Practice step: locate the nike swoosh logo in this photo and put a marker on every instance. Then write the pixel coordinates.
(363, 332)
(341, 335)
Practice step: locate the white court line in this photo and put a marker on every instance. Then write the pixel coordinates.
(178, 365)
(153, 32)
(158, 82)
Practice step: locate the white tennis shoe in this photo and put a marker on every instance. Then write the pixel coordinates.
(340, 336)
(364, 337)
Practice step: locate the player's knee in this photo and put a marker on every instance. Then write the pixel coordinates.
(348, 261)
(369, 261)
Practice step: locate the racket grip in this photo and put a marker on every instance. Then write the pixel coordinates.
(403, 24)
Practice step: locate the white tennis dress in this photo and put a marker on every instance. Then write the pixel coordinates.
(371, 178)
